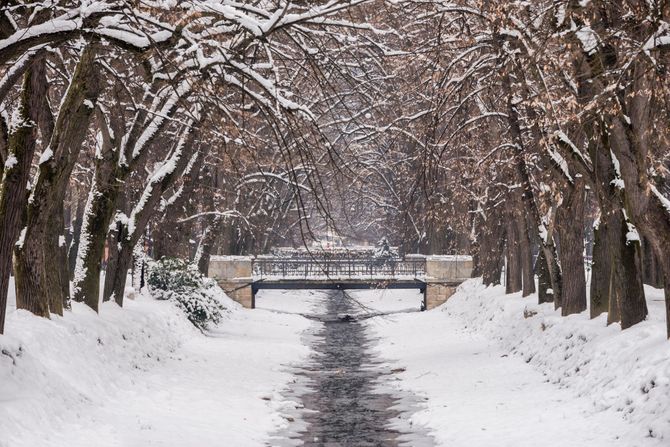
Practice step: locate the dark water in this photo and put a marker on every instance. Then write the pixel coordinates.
(341, 407)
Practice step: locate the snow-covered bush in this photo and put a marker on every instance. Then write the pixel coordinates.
(181, 282)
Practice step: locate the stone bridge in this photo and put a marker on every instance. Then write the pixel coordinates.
(435, 276)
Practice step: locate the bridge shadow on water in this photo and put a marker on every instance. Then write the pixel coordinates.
(343, 402)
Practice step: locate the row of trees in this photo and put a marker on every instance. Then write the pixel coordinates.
(503, 129)
(518, 131)
(538, 117)
(143, 121)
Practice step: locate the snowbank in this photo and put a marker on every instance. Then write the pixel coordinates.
(143, 375)
(627, 371)
(496, 369)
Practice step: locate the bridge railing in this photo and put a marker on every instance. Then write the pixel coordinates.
(279, 268)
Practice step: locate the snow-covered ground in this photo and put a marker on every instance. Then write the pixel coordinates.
(486, 369)
(143, 375)
(501, 370)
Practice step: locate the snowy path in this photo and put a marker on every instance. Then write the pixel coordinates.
(477, 395)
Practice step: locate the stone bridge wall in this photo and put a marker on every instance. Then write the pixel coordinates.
(443, 275)
(234, 276)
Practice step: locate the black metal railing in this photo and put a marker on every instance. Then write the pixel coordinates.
(284, 268)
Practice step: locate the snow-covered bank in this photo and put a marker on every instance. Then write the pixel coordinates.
(143, 375)
(493, 367)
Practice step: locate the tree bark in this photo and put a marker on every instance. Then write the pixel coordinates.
(113, 260)
(625, 130)
(63, 271)
(571, 254)
(209, 237)
(651, 271)
(617, 269)
(492, 243)
(600, 271)
(38, 280)
(525, 252)
(100, 206)
(13, 192)
(513, 276)
(543, 280)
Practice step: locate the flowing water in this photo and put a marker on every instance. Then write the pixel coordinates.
(343, 405)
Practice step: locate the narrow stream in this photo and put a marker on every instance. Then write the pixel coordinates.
(343, 395)
(340, 405)
(343, 409)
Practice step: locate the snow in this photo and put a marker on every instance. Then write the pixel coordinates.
(501, 370)
(22, 237)
(659, 39)
(302, 302)
(132, 38)
(665, 202)
(387, 301)
(449, 258)
(142, 375)
(46, 155)
(631, 235)
(230, 258)
(57, 25)
(10, 162)
(560, 14)
(588, 38)
(618, 183)
(484, 369)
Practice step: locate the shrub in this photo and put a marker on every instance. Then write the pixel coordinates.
(181, 282)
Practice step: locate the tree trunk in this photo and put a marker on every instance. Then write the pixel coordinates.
(543, 280)
(620, 262)
(13, 192)
(38, 281)
(625, 133)
(571, 234)
(600, 271)
(124, 261)
(651, 271)
(75, 237)
(183, 153)
(97, 218)
(629, 293)
(106, 196)
(528, 196)
(526, 254)
(492, 243)
(112, 261)
(555, 272)
(513, 281)
(209, 236)
(64, 273)
(477, 269)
